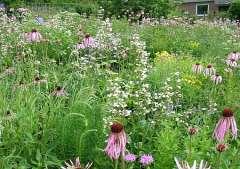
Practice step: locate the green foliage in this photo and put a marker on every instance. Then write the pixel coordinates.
(87, 8)
(13, 3)
(155, 8)
(234, 9)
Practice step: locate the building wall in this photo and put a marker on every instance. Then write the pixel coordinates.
(191, 7)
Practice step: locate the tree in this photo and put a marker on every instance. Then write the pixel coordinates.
(234, 10)
(155, 8)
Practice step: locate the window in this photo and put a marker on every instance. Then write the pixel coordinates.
(202, 9)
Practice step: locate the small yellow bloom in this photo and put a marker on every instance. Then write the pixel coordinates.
(194, 44)
(192, 80)
(163, 56)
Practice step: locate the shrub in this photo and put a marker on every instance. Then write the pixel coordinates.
(234, 9)
(156, 8)
(87, 8)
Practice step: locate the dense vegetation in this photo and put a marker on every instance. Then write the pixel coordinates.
(113, 7)
(59, 96)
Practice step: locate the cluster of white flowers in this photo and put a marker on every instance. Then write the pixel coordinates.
(109, 40)
(142, 67)
(108, 49)
(136, 97)
(8, 28)
(171, 94)
(119, 93)
(64, 22)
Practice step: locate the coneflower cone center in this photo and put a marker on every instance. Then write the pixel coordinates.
(116, 127)
(34, 30)
(227, 113)
(59, 88)
(37, 78)
(87, 36)
(209, 66)
(221, 147)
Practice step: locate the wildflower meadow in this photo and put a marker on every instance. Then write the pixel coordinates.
(93, 92)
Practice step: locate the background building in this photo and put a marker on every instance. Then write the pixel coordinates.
(205, 7)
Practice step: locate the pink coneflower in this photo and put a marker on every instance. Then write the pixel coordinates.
(76, 165)
(217, 79)
(185, 165)
(226, 123)
(231, 63)
(209, 71)
(117, 141)
(146, 159)
(197, 68)
(88, 42)
(33, 36)
(234, 55)
(130, 158)
(59, 91)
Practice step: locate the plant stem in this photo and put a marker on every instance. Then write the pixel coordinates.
(116, 164)
(190, 148)
(123, 162)
(218, 161)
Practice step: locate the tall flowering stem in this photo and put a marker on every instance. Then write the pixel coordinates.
(220, 148)
(192, 131)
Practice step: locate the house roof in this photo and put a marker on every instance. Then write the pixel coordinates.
(219, 2)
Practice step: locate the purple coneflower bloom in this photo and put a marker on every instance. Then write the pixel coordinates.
(59, 91)
(216, 78)
(209, 71)
(146, 159)
(231, 63)
(117, 141)
(76, 165)
(226, 123)
(88, 42)
(33, 36)
(130, 158)
(234, 55)
(197, 68)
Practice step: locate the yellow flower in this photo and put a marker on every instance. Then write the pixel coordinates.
(163, 56)
(192, 80)
(194, 44)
